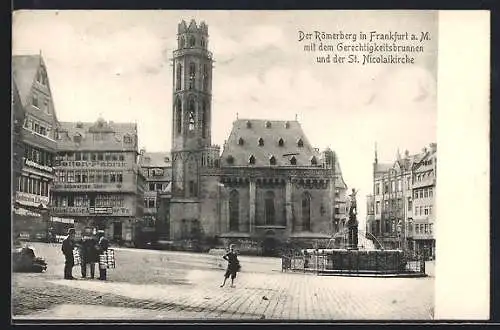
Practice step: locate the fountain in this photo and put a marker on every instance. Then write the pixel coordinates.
(354, 252)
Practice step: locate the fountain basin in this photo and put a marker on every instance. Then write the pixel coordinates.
(357, 263)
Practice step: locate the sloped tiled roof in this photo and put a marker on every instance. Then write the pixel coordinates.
(115, 142)
(155, 159)
(24, 70)
(270, 131)
(382, 167)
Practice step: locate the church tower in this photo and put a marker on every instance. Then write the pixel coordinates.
(192, 95)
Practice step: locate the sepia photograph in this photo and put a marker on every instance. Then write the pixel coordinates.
(224, 165)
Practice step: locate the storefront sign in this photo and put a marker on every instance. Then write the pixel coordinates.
(100, 210)
(24, 212)
(84, 210)
(84, 163)
(31, 199)
(88, 186)
(31, 163)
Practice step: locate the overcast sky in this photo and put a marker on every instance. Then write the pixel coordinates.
(117, 64)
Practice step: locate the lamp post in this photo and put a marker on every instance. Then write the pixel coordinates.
(399, 234)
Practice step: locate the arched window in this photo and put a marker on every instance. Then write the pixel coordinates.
(191, 111)
(261, 142)
(293, 160)
(241, 141)
(192, 41)
(178, 115)
(314, 161)
(249, 124)
(230, 159)
(178, 78)
(300, 143)
(251, 160)
(272, 160)
(234, 211)
(306, 211)
(269, 211)
(281, 142)
(182, 42)
(204, 119)
(192, 75)
(205, 77)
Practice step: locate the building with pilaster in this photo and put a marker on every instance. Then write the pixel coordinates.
(97, 179)
(156, 167)
(399, 212)
(34, 145)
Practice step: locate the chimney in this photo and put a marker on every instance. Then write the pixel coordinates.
(407, 153)
(424, 150)
(433, 147)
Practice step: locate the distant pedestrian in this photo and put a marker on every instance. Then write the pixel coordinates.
(233, 266)
(90, 256)
(68, 245)
(103, 249)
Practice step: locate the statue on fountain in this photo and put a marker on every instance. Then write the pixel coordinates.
(352, 223)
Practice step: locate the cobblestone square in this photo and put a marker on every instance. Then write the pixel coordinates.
(164, 285)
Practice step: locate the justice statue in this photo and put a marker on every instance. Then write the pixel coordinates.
(352, 223)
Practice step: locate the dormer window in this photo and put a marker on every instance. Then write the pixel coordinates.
(261, 142)
(293, 160)
(241, 141)
(287, 124)
(230, 159)
(77, 138)
(281, 142)
(251, 160)
(314, 162)
(268, 124)
(300, 143)
(272, 160)
(127, 139)
(249, 124)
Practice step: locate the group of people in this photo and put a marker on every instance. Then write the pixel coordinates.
(90, 250)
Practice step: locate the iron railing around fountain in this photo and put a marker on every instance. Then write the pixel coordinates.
(348, 262)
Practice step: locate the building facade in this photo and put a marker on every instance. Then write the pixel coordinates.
(424, 186)
(34, 145)
(156, 167)
(97, 180)
(267, 188)
(399, 212)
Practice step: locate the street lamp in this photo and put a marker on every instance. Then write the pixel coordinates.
(399, 234)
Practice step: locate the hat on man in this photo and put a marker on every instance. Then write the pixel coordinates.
(71, 231)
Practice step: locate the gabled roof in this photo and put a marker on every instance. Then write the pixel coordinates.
(270, 131)
(116, 133)
(24, 70)
(155, 159)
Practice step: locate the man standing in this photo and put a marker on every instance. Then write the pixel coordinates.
(68, 245)
(103, 248)
(233, 265)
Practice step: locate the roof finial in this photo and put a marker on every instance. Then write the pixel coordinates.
(376, 156)
(236, 115)
(296, 117)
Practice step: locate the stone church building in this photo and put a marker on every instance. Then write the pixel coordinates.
(268, 187)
